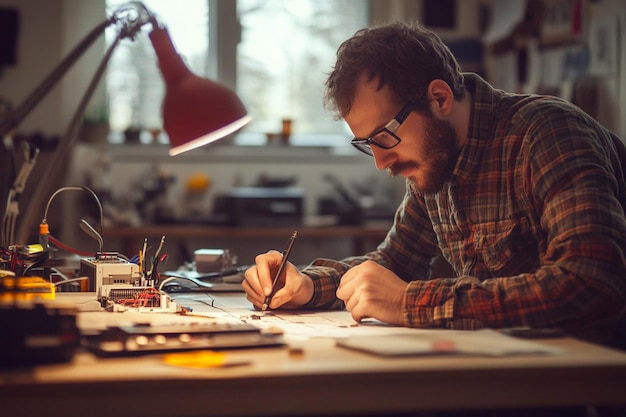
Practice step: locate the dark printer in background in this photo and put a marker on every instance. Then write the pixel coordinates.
(261, 206)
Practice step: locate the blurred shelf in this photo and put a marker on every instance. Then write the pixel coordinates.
(359, 234)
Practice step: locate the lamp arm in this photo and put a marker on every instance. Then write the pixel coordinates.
(130, 26)
(24, 109)
(132, 17)
(71, 132)
(66, 142)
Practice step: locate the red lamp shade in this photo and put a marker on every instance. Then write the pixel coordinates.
(196, 111)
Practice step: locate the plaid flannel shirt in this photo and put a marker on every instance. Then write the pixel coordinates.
(532, 221)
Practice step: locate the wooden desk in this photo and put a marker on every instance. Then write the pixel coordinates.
(323, 380)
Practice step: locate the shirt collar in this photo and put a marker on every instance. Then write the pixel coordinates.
(482, 119)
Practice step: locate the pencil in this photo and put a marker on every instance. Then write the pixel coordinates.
(281, 268)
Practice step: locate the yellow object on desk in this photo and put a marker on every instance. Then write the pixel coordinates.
(200, 359)
(26, 289)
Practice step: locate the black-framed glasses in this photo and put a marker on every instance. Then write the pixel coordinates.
(386, 137)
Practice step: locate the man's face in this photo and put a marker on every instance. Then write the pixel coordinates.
(427, 152)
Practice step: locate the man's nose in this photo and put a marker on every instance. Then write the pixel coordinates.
(382, 157)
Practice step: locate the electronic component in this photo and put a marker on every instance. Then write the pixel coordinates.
(119, 285)
(137, 340)
(25, 288)
(142, 299)
(34, 333)
(261, 206)
(108, 268)
(214, 260)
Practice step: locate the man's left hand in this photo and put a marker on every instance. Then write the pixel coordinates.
(370, 290)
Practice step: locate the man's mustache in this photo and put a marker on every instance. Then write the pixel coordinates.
(395, 169)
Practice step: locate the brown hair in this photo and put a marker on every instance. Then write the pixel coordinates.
(407, 57)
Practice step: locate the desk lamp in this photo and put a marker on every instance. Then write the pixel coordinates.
(196, 111)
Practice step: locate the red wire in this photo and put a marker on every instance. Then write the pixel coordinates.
(67, 248)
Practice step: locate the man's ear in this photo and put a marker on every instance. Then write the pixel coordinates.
(441, 97)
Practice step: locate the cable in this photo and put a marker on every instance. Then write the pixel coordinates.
(202, 286)
(67, 248)
(38, 263)
(77, 188)
(44, 222)
(70, 280)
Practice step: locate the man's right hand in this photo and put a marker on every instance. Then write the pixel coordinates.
(296, 288)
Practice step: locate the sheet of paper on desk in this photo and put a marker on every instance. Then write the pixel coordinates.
(339, 325)
(439, 342)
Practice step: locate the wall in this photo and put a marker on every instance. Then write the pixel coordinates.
(548, 70)
(611, 100)
(59, 24)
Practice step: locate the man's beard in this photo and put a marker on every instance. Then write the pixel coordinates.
(439, 145)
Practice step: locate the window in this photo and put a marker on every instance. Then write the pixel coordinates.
(278, 66)
(134, 85)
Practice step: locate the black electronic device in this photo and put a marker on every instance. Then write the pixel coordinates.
(35, 333)
(262, 206)
(140, 339)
